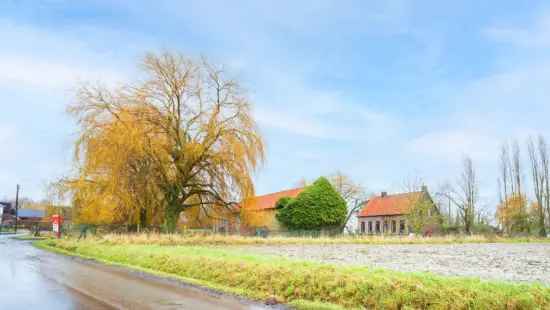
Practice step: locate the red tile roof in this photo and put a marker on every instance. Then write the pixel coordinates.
(268, 201)
(390, 204)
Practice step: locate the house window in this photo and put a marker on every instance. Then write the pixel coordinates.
(362, 227)
(370, 226)
(402, 226)
(377, 226)
(393, 227)
(385, 226)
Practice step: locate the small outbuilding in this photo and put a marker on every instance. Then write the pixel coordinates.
(30, 215)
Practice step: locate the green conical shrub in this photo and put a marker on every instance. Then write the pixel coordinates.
(318, 207)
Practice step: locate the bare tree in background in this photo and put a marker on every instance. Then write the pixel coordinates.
(465, 196)
(353, 193)
(412, 183)
(545, 171)
(512, 209)
(469, 193)
(511, 175)
(302, 182)
(517, 173)
(444, 204)
(503, 181)
(535, 150)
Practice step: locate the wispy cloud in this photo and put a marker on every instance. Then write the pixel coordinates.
(62, 62)
(377, 89)
(8, 143)
(32, 72)
(452, 145)
(534, 35)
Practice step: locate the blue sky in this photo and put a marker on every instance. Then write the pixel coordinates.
(382, 91)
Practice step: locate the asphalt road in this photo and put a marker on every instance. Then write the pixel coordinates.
(31, 278)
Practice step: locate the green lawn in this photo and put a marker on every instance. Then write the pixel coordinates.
(308, 285)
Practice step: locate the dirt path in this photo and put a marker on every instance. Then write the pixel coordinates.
(32, 278)
(518, 262)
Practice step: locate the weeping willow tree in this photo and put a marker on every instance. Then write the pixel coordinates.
(115, 181)
(182, 137)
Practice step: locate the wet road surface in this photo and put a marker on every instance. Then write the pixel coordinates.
(31, 278)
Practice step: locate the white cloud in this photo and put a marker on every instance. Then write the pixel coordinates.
(6, 133)
(291, 123)
(452, 145)
(49, 61)
(20, 72)
(536, 35)
(8, 144)
(338, 121)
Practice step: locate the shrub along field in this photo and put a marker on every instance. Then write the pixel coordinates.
(305, 285)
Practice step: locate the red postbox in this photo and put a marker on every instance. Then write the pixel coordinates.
(57, 220)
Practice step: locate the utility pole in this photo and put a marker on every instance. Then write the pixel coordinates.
(16, 206)
(450, 214)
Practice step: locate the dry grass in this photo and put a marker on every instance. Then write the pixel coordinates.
(176, 239)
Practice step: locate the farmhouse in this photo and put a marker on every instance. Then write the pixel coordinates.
(259, 212)
(391, 214)
(254, 213)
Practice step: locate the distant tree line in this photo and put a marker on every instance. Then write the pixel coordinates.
(516, 212)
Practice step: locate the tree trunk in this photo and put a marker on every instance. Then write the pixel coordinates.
(171, 216)
(542, 229)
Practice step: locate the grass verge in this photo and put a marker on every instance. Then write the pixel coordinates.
(30, 237)
(308, 285)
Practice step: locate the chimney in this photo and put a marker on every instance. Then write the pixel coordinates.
(424, 188)
(383, 194)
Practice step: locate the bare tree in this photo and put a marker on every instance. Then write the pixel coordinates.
(469, 190)
(517, 173)
(512, 209)
(545, 171)
(465, 196)
(503, 181)
(353, 193)
(538, 178)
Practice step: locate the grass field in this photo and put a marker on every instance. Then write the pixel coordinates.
(306, 285)
(182, 239)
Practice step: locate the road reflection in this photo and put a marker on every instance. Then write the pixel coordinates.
(32, 278)
(24, 287)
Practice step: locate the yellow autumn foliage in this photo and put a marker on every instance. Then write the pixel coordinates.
(184, 137)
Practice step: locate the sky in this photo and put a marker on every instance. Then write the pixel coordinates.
(382, 91)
